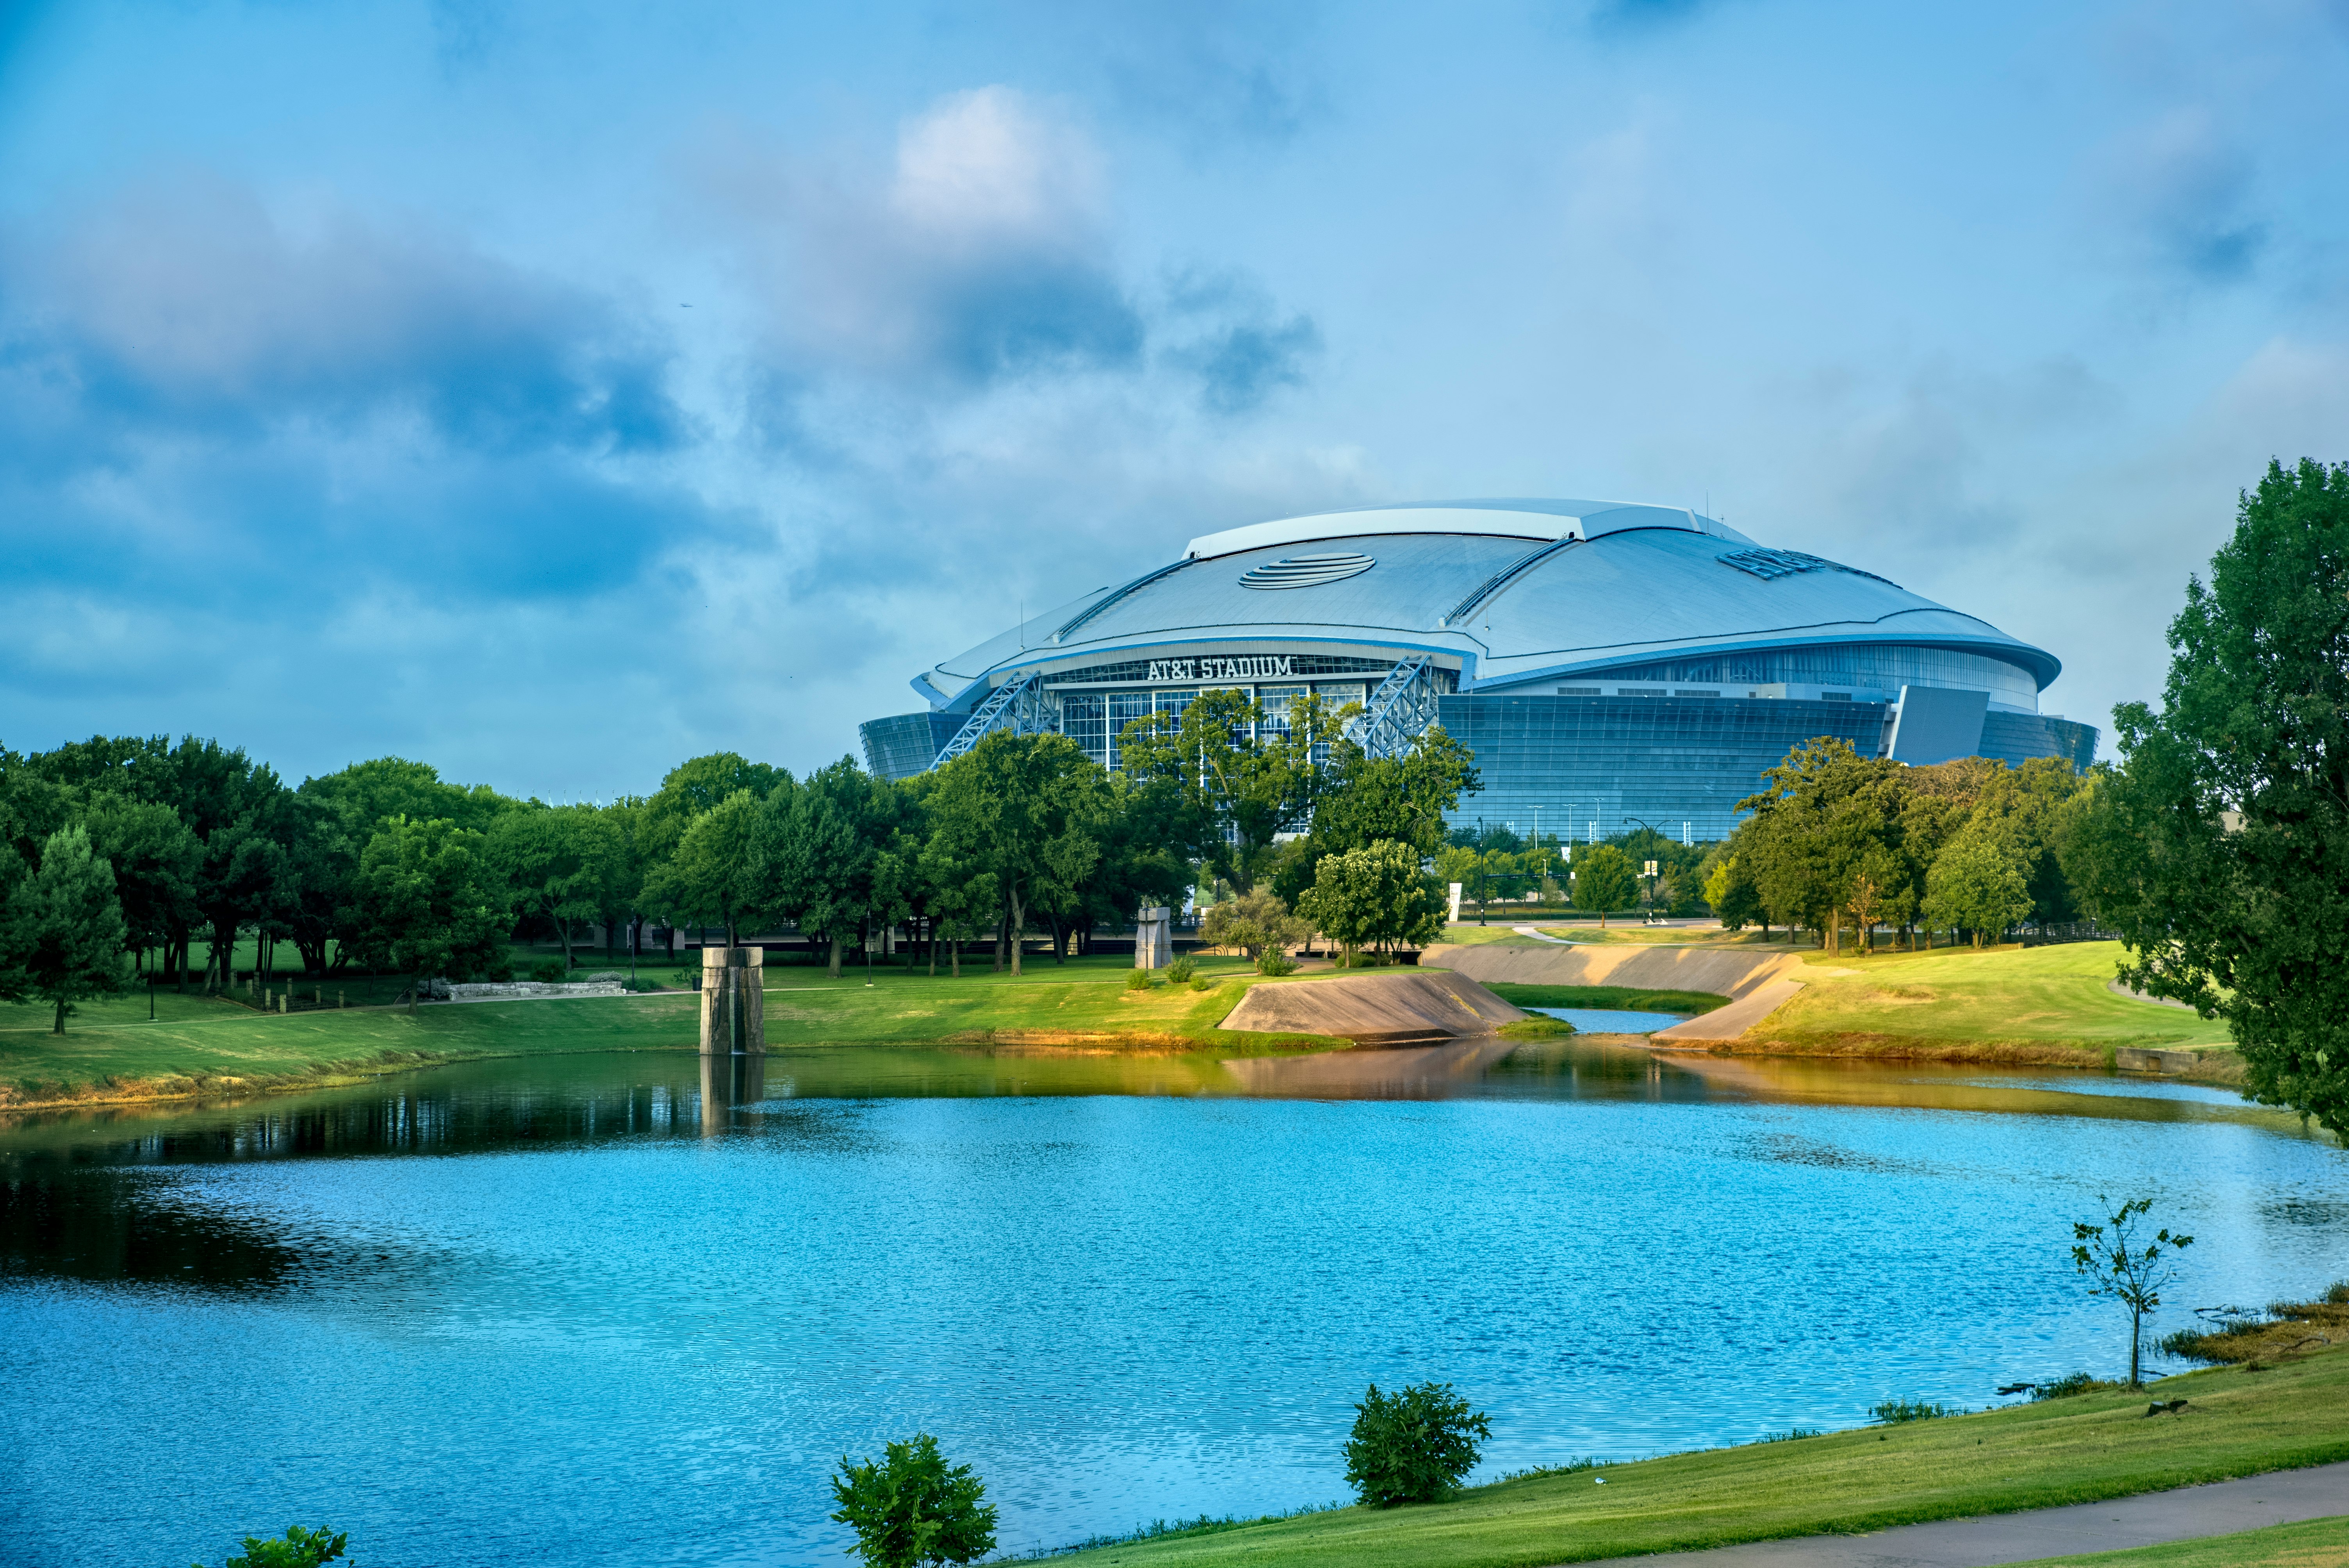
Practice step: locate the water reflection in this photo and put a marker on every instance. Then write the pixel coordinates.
(729, 1083)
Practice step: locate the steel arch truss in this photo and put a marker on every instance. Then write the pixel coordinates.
(1399, 711)
(1019, 705)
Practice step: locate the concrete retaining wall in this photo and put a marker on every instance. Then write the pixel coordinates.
(1388, 1009)
(1722, 971)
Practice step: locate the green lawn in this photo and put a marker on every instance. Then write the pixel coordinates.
(1607, 996)
(2023, 995)
(196, 1037)
(2081, 1449)
(2312, 1543)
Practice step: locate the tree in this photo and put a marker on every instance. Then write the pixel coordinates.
(1729, 891)
(1412, 1446)
(695, 787)
(299, 1548)
(1026, 810)
(2230, 809)
(1249, 778)
(1975, 885)
(65, 930)
(561, 863)
(722, 872)
(826, 852)
(1374, 896)
(913, 1508)
(427, 904)
(1254, 922)
(2116, 1266)
(154, 857)
(1602, 880)
(1407, 798)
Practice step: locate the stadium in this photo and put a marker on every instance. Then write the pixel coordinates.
(1608, 663)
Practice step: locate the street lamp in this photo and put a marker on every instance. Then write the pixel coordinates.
(1649, 873)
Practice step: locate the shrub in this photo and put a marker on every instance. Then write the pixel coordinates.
(1894, 1412)
(1139, 980)
(299, 1548)
(1412, 1446)
(912, 1507)
(1274, 962)
(1179, 972)
(1203, 984)
(547, 972)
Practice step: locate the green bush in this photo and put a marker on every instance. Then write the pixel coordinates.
(1412, 1446)
(1893, 1412)
(1179, 972)
(1203, 984)
(547, 972)
(912, 1507)
(1275, 963)
(300, 1548)
(1138, 980)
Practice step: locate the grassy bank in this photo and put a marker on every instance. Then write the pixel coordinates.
(2079, 1450)
(208, 1044)
(2046, 1005)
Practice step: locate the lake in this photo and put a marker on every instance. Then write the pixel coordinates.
(565, 1310)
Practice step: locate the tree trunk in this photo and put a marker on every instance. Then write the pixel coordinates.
(562, 930)
(2136, 1319)
(835, 958)
(59, 1026)
(954, 951)
(933, 946)
(1057, 956)
(1002, 924)
(1015, 924)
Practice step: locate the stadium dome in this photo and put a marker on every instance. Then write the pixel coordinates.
(1601, 657)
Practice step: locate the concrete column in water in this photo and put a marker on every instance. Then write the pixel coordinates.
(733, 1011)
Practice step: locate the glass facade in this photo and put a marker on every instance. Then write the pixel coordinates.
(1877, 666)
(1583, 760)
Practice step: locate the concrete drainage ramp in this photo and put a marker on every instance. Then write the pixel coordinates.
(1725, 972)
(1389, 1009)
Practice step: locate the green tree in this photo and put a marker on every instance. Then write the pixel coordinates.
(723, 870)
(1247, 778)
(1976, 885)
(562, 864)
(65, 930)
(912, 1508)
(826, 839)
(1256, 923)
(1027, 811)
(427, 904)
(1413, 1444)
(1375, 896)
(695, 787)
(1729, 892)
(1603, 880)
(2117, 1266)
(2223, 836)
(154, 857)
(299, 1548)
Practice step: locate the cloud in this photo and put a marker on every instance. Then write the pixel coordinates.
(2181, 187)
(1235, 341)
(1619, 16)
(980, 257)
(187, 307)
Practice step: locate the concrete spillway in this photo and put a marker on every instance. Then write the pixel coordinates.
(1758, 983)
(1391, 1008)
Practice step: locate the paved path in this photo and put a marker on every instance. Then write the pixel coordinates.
(2148, 1519)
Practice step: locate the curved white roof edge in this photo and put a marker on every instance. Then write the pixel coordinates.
(1539, 520)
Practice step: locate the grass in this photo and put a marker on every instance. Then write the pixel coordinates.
(2311, 1543)
(2051, 998)
(205, 1044)
(1612, 996)
(2048, 1454)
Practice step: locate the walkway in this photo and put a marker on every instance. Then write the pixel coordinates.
(2148, 1519)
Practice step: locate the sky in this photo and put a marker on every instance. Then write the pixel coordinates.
(552, 393)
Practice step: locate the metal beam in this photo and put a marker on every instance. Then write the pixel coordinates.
(1399, 711)
(1018, 705)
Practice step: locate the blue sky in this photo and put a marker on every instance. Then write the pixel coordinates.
(554, 393)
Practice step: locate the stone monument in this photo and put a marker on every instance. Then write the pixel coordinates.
(733, 1012)
(1153, 937)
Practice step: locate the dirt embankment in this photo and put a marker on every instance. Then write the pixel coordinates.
(1393, 1007)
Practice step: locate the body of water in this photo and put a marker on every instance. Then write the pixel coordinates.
(574, 1309)
(1613, 1020)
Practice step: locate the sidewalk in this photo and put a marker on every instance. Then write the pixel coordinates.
(2148, 1519)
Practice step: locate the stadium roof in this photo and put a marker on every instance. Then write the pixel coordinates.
(1514, 590)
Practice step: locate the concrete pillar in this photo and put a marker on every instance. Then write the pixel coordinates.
(733, 1012)
(1153, 937)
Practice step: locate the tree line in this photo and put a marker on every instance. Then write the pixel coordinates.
(138, 854)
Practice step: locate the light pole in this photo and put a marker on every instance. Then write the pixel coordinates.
(1651, 868)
